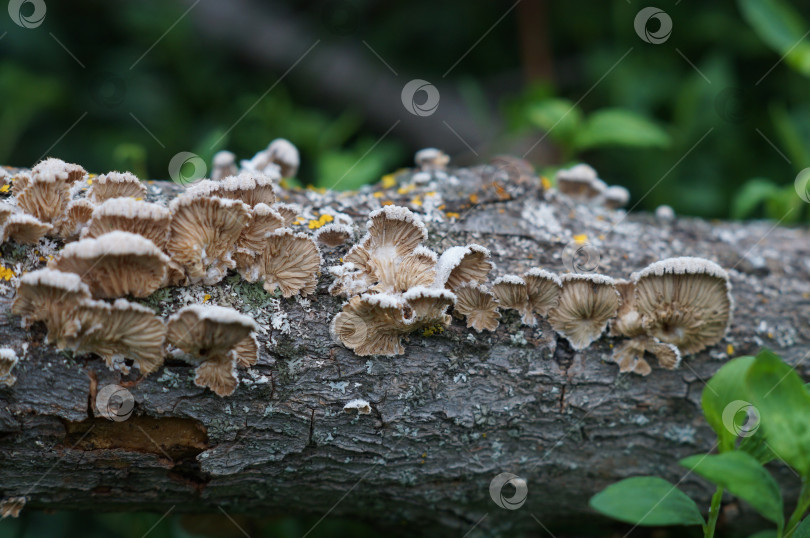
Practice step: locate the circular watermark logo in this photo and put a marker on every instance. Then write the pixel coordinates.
(341, 17)
(114, 402)
(27, 13)
(802, 185)
(645, 29)
(517, 499)
(581, 257)
(427, 105)
(107, 89)
(186, 168)
(730, 105)
(741, 418)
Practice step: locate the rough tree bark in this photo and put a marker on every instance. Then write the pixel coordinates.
(448, 416)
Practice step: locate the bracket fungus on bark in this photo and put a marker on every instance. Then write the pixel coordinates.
(223, 165)
(511, 292)
(264, 220)
(115, 264)
(478, 306)
(50, 296)
(333, 234)
(290, 262)
(77, 215)
(121, 330)
(587, 302)
(210, 336)
(458, 265)
(431, 159)
(371, 324)
(23, 229)
(129, 215)
(8, 360)
(116, 185)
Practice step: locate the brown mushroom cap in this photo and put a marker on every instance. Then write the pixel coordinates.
(580, 182)
(116, 185)
(511, 292)
(283, 153)
(290, 261)
(23, 229)
(478, 305)
(204, 233)
(289, 212)
(115, 264)
(45, 197)
(334, 234)
(252, 189)
(458, 265)
(129, 215)
(393, 231)
(8, 360)
(431, 159)
(264, 220)
(121, 329)
(211, 335)
(629, 355)
(587, 303)
(223, 165)
(416, 269)
(247, 351)
(684, 301)
(371, 325)
(428, 306)
(50, 296)
(58, 170)
(543, 289)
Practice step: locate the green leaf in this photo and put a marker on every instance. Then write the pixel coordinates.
(783, 403)
(753, 193)
(744, 477)
(780, 27)
(560, 118)
(619, 127)
(727, 388)
(803, 530)
(647, 501)
(756, 446)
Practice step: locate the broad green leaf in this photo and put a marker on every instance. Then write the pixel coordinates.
(560, 118)
(753, 193)
(619, 127)
(744, 477)
(727, 388)
(783, 404)
(648, 501)
(756, 446)
(780, 27)
(792, 127)
(803, 530)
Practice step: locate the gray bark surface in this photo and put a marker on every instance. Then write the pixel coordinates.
(448, 416)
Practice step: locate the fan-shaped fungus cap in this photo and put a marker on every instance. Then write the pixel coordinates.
(223, 165)
(290, 262)
(511, 292)
(627, 321)
(458, 265)
(211, 335)
(128, 215)
(629, 355)
(334, 234)
(371, 325)
(250, 188)
(616, 197)
(684, 301)
(362, 407)
(77, 214)
(115, 264)
(543, 289)
(116, 185)
(431, 159)
(8, 360)
(428, 306)
(12, 507)
(284, 154)
(203, 234)
(58, 170)
(50, 296)
(264, 220)
(416, 269)
(23, 229)
(580, 182)
(393, 230)
(6, 210)
(586, 304)
(289, 212)
(45, 197)
(478, 306)
(247, 351)
(122, 329)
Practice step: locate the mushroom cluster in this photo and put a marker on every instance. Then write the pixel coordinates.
(118, 246)
(396, 285)
(582, 183)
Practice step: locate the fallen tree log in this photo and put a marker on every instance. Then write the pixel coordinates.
(444, 419)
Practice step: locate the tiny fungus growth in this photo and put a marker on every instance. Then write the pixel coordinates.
(290, 261)
(50, 296)
(431, 159)
(60, 170)
(664, 213)
(12, 507)
(247, 351)
(129, 215)
(416, 269)
(8, 360)
(371, 325)
(333, 234)
(116, 185)
(511, 292)
(616, 197)
(361, 407)
(204, 233)
(587, 302)
(284, 154)
(223, 165)
(6, 210)
(289, 212)
(543, 289)
(210, 335)
(252, 189)
(45, 196)
(77, 214)
(684, 301)
(121, 330)
(458, 265)
(580, 182)
(115, 264)
(23, 229)
(264, 220)
(478, 305)
(428, 306)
